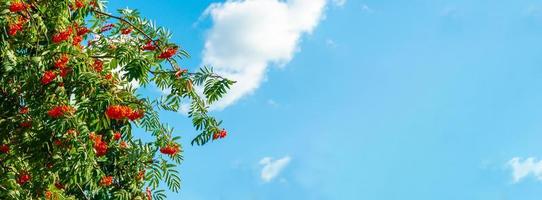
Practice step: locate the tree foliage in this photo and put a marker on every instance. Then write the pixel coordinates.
(68, 104)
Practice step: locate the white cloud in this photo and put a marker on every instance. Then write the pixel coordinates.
(121, 72)
(248, 36)
(451, 12)
(272, 169)
(522, 169)
(365, 8)
(339, 3)
(331, 43)
(533, 11)
(272, 103)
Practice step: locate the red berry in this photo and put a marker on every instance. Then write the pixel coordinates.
(48, 77)
(100, 147)
(168, 53)
(98, 65)
(77, 40)
(223, 133)
(219, 135)
(62, 36)
(106, 181)
(135, 115)
(79, 4)
(149, 46)
(117, 136)
(92, 136)
(4, 148)
(23, 110)
(59, 111)
(93, 4)
(180, 72)
(119, 112)
(123, 145)
(126, 31)
(141, 175)
(170, 150)
(59, 186)
(107, 27)
(71, 132)
(17, 6)
(62, 61)
(82, 31)
(23, 178)
(64, 72)
(26, 124)
(14, 28)
(149, 196)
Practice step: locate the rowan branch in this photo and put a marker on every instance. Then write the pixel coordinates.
(127, 22)
(175, 66)
(188, 73)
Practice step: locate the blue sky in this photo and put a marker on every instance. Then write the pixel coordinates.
(373, 99)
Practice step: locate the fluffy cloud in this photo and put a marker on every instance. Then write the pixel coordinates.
(272, 169)
(523, 168)
(247, 36)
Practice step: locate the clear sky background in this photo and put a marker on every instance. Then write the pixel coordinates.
(364, 99)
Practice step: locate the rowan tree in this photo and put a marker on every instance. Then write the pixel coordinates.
(69, 102)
